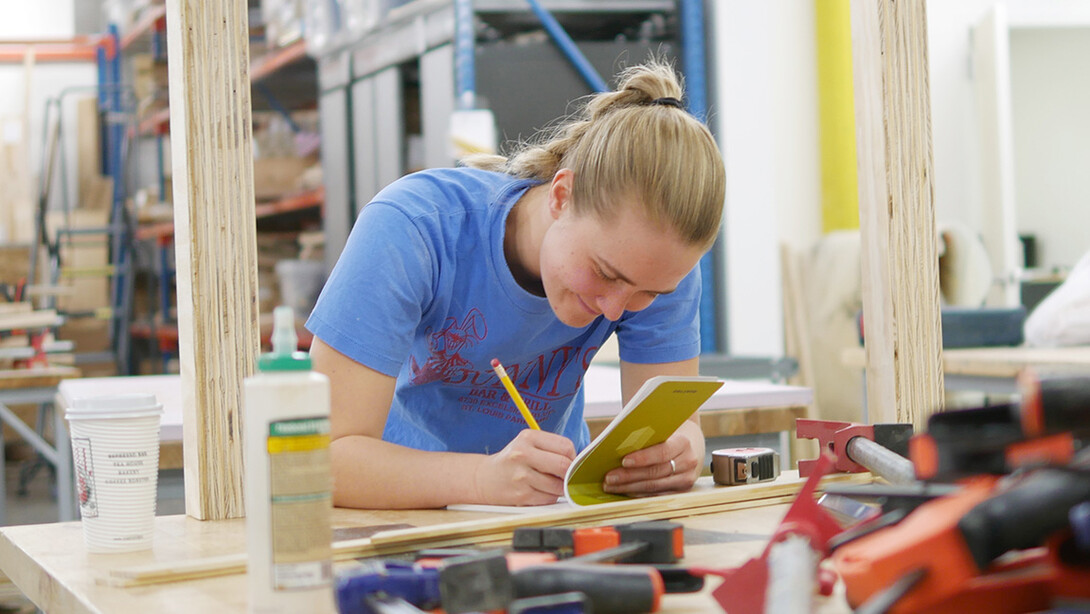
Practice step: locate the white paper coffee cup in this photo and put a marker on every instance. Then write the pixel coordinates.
(115, 451)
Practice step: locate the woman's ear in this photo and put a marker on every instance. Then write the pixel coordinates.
(560, 191)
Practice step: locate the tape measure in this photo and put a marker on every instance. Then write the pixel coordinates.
(732, 466)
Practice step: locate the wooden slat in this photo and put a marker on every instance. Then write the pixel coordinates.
(208, 45)
(10, 308)
(896, 209)
(89, 162)
(998, 361)
(43, 377)
(42, 318)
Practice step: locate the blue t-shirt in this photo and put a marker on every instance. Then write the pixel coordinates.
(422, 292)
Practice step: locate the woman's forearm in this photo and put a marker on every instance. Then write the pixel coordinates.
(369, 473)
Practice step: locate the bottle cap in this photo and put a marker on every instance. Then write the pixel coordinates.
(284, 355)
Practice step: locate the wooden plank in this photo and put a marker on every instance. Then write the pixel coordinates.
(1008, 362)
(211, 135)
(897, 218)
(42, 377)
(10, 308)
(498, 529)
(998, 361)
(796, 319)
(88, 148)
(42, 318)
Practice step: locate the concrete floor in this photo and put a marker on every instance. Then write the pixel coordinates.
(39, 505)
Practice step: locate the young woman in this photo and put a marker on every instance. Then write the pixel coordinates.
(534, 260)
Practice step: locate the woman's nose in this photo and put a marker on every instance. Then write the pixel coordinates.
(614, 303)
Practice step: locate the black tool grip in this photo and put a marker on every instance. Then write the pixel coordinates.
(1024, 515)
(1061, 403)
(626, 589)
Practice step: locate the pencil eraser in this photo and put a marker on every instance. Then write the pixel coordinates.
(495, 362)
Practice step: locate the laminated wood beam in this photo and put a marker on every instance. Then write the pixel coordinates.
(214, 222)
(896, 209)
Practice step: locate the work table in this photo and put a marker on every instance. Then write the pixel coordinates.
(50, 564)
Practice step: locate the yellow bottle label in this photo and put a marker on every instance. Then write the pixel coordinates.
(300, 485)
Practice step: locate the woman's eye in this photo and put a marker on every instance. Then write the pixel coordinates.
(602, 274)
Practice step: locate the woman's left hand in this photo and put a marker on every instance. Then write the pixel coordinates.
(671, 466)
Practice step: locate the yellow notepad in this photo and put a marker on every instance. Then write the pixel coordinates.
(660, 406)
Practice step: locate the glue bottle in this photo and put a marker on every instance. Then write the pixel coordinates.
(288, 479)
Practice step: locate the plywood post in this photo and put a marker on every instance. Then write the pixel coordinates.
(897, 211)
(216, 252)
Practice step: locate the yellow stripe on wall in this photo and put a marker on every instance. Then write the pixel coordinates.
(836, 111)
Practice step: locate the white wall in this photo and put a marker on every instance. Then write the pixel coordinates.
(40, 19)
(1043, 140)
(766, 116)
(1050, 89)
(37, 19)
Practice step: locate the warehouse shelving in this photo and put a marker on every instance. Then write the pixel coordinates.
(282, 78)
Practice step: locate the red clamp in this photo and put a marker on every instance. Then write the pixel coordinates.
(834, 437)
(743, 588)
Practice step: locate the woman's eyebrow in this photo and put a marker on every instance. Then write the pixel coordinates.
(614, 272)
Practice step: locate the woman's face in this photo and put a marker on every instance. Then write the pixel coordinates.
(591, 267)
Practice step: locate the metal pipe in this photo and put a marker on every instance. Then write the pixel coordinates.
(696, 91)
(34, 439)
(465, 76)
(568, 48)
(792, 576)
(881, 461)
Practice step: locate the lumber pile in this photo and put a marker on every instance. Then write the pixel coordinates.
(26, 339)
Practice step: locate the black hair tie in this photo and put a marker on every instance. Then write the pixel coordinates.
(667, 102)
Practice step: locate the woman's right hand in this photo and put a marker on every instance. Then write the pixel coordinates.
(528, 471)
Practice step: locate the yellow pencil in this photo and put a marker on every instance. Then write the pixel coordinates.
(515, 396)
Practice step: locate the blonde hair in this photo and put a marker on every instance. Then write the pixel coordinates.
(632, 142)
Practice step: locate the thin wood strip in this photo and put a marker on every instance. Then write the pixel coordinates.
(504, 537)
(42, 318)
(493, 530)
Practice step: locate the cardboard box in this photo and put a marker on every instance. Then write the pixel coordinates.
(277, 177)
(88, 335)
(14, 263)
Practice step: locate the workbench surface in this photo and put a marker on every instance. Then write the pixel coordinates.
(51, 566)
(1003, 362)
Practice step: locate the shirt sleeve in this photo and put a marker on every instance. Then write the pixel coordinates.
(375, 296)
(666, 331)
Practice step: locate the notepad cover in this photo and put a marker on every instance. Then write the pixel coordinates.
(660, 406)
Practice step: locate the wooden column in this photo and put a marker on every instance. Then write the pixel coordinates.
(896, 210)
(216, 253)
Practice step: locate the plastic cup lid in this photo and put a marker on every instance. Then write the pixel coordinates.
(114, 405)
